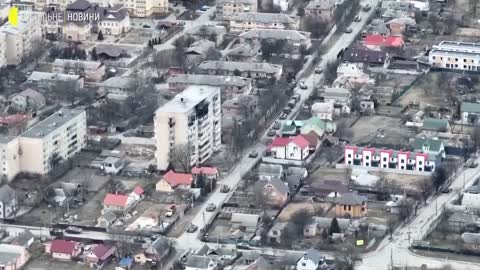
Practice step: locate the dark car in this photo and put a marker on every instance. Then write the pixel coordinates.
(225, 189)
(276, 126)
(473, 165)
(211, 207)
(192, 228)
(446, 190)
(243, 246)
(253, 154)
(74, 230)
(271, 133)
(56, 232)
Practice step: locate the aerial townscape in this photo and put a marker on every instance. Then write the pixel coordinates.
(240, 134)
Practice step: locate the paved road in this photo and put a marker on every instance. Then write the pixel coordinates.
(191, 240)
(417, 230)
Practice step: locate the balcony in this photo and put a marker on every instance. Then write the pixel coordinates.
(358, 156)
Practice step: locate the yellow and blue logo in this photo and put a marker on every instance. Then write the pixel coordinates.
(13, 16)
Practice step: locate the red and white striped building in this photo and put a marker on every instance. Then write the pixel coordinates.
(390, 159)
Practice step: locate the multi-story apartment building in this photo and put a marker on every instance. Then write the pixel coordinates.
(226, 9)
(421, 161)
(3, 50)
(58, 137)
(192, 119)
(20, 39)
(455, 55)
(144, 8)
(257, 20)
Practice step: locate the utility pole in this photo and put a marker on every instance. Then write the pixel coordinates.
(436, 208)
(409, 232)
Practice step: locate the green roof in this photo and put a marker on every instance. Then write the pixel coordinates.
(288, 129)
(315, 121)
(434, 145)
(435, 124)
(470, 107)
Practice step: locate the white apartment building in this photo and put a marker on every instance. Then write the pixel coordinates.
(57, 138)
(226, 9)
(3, 49)
(144, 8)
(191, 118)
(455, 55)
(90, 70)
(20, 39)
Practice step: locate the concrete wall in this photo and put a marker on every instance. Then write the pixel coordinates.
(386, 170)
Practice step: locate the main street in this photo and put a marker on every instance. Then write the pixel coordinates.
(192, 240)
(398, 251)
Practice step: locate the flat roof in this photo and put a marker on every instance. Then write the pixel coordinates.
(188, 99)
(40, 76)
(455, 53)
(72, 63)
(52, 122)
(458, 45)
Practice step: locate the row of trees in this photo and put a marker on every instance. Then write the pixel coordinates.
(70, 52)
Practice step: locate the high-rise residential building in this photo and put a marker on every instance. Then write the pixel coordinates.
(190, 121)
(59, 137)
(20, 40)
(3, 50)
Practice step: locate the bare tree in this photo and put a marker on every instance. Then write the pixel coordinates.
(114, 186)
(86, 183)
(383, 187)
(330, 155)
(476, 137)
(343, 130)
(213, 54)
(435, 23)
(439, 177)
(425, 186)
(301, 217)
(316, 26)
(391, 223)
(349, 255)
(180, 157)
(405, 209)
(330, 72)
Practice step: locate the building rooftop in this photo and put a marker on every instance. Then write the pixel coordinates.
(74, 63)
(435, 124)
(52, 122)
(276, 34)
(188, 99)
(213, 80)
(264, 17)
(116, 82)
(240, 66)
(470, 107)
(458, 46)
(48, 76)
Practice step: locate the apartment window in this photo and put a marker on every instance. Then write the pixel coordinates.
(384, 159)
(349, 162)
(420, 163)
(304, 264)
(456, 65)
(433, 57)
(448, 65)
(464, 60)
(456, 59)
(349, 208)
(367, 157)
(402, 160)
(349, 155)
(345, 207)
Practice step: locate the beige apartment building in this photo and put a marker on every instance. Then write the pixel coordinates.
(144, 8)
(3, 49)
(227, 9)
(192, 119)
(455, 55)
(58, 137)
(20, 40)
(90, 70)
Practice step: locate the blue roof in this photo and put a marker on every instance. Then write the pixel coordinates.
(126, 261)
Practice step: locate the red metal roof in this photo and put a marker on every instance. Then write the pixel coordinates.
(300, 141)
(374, 40)
(14, 118)
(176, 179)
(393, 41)
(311, 137)
(205, 170)
(63, 246)
(115, 199)
(280, 142)
(102, 252)
(138, 190)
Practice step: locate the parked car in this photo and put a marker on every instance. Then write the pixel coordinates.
(287, 110)
(318, 70)
(211, 207)
(225, 188)
(367, 8)
(473, 165)
(303, 85)
(171, 210)
(357, 19)
(253, 154)
(296, 97)
(204, 8)
(446, 190)
(348, 30)
(283, 116)
(271, 133)
(73, 230)
(243, 246)
(276, 126)
(192, 228)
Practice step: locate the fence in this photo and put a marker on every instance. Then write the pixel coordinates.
(406, 88)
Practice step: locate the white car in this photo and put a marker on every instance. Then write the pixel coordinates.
(303, 85)
(169, 213)
(318, 70)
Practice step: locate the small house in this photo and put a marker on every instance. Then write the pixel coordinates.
(269, 171)
(311, 260)
(8, 202)
(63, 249)
(196, 262)
(274, 235)
(172, 180)
(116, 202)
(210, 173)
(99, 254)
(159, 249)
(351, 205)
(24, 239)
(274, 192)
(13, 257)
(137, 193)
(107, 219)
(27, 100)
